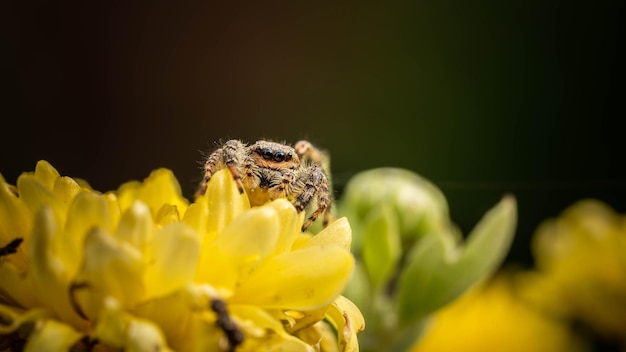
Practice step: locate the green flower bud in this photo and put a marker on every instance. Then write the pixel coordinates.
(411, 258)
(416, 205)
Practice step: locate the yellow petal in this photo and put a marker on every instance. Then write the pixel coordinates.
(224, 201)
(15, 222)
(127, 194)
(260, 318)
(47, 272)
(46, 174)
(188, 321)
(196, 217)
(348, 321)
(321, 335)
(301, 240)
(290, 224)
(345, 305)
(301, 280)
(167, 214)
(254, 233)
(305, 319)
(87, 211)
(110, 268)
(51, 335)
(115, 214)
(249, 238)
(14, 287)
(205, 336)
(35, 195)
(83, 184)
(161, 187)
(276, 343)
(338, 233)
(175, 320)
(263, 332)
(492, 317)
(583, 252)
(65, 188)
(136, 226)
(118, 329)
(12, 318)
(172, 259)
(112, 324)
(144, 336)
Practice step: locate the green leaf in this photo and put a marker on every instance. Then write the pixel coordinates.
(437, 272)
(381, 246)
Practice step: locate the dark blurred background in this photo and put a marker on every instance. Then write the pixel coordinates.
(482, 97)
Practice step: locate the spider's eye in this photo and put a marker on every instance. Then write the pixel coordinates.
(288, 156)
(280, 156)
(267, 154)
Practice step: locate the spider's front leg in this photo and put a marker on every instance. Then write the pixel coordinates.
(315, 183)
(226, 156)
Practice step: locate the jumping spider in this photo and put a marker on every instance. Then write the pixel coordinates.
(268, 170)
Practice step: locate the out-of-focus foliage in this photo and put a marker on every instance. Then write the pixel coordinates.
(574, 300)
(411, 258)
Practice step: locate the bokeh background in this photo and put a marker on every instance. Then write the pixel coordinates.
(482, 97)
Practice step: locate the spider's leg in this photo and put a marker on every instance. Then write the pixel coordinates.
(315, 183)
(230, 159)
(210, 167)
(308, 153)
(226, 155)
(327, 212)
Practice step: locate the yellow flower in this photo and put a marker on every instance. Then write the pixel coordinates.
(492, 317)
(581, 267)
(142, 269)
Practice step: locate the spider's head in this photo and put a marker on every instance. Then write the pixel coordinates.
(274, 155)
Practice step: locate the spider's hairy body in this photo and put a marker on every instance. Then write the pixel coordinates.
(268, 170)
